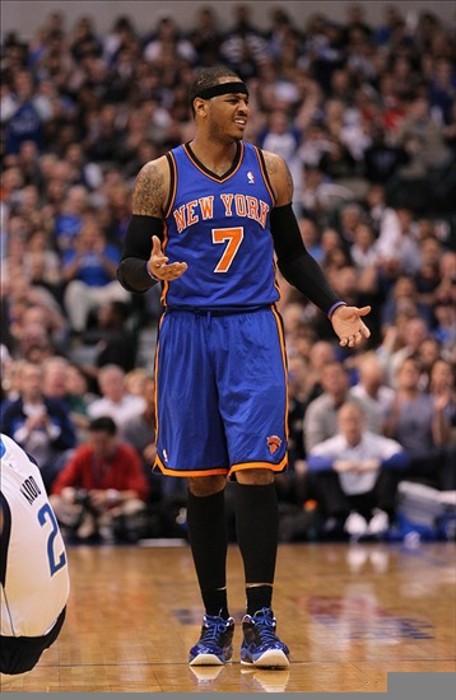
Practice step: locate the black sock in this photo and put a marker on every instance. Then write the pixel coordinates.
(209, 542)
(258, 597)
(257, 530)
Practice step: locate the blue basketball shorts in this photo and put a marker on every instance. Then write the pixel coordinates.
(221, 392)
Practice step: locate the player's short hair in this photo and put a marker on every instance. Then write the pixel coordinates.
(208, 78)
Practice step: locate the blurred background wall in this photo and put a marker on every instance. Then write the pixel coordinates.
(26, 15)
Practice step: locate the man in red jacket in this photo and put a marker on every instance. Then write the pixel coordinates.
(102, 489)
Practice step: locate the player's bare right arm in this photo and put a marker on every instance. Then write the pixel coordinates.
(151, 189)
(143, 263)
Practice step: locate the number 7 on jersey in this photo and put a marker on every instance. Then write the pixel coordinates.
(233, 237)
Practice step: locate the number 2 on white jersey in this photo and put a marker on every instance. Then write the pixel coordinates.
(46, 514)
(233, 237)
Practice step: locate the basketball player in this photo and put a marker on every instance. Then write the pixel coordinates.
(34, 582)
(206, 220)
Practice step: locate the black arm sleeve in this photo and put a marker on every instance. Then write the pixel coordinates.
(132, 270)
(295, 262)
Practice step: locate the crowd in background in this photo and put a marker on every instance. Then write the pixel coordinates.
(365, 117)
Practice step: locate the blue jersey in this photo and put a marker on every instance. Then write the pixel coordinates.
(219, 226)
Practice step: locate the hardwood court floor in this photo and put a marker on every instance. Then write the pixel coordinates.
(350, 614)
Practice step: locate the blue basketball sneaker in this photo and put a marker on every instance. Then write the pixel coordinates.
(261, 646)
(215, 645)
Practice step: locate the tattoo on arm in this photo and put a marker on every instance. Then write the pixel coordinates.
(280, 177)
(288, 182)
(149, 192)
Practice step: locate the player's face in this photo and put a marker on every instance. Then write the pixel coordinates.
(228, 116)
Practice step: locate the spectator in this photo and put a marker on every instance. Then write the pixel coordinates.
(42, 426)
(420, 422)
(139, 430)
(421, 136)
(415, 333)
(206, 36)
(168, 35)
(62, 381)
(371, 389)
(243, 48)
(355, 475)
(89, 271)
(113, 341)
(320, 418)
(381, 159)
(78, 397)
(70, 218)
(398, 240)
(115, 401)
(102, 489)
(24, 113)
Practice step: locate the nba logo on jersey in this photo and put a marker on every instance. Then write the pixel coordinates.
(251, 177)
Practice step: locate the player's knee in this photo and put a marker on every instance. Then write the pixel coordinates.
(255, 477)
(206, 485)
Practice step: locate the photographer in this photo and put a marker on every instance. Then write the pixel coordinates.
(102, 490)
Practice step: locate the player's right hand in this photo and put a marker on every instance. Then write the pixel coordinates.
(158, 266)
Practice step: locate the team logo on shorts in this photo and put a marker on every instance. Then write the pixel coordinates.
(274, 443)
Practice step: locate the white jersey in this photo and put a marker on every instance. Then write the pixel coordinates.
(34, 580)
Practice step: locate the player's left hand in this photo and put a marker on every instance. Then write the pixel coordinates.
(349, 326)
(158, 264)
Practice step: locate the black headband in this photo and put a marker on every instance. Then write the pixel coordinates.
(222, 89)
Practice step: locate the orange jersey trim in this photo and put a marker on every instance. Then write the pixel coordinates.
(264, 176)
(165, 287)
(225, 472)
(172, 198)
(156, 377)
(175, 472)
(260, 465)
(285, 363)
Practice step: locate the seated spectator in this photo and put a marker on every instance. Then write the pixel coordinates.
(42, 426)
(89, 270)
(401, 296)
(42, 265)
(109, 335)
(23, 113)
(445, 328)
(136, 380)
(382, 159)
(442, 384)
(115, 401)
(397, 240)
(419, 421)
(320, 353)
(78, 397)
(56, 372)
(373, 391)
(415, 332)
(139, 430)
(320, 418)
(355, 475)
(102, 489)
(292, 486)
(70, 218)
